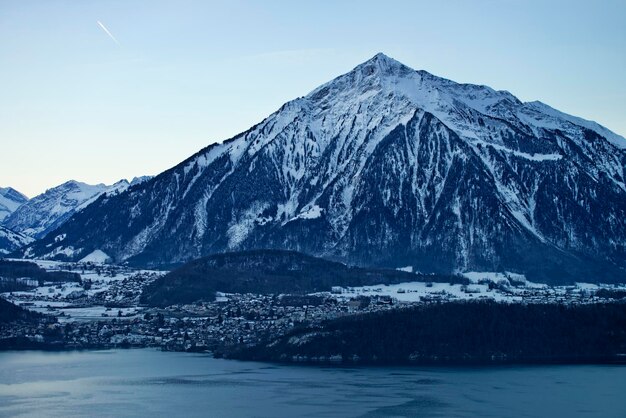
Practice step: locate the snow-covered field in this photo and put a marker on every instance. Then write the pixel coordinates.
(109, 291)
(499, 287)
(105, 291)
(418, 291)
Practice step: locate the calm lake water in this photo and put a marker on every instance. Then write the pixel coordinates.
(149, 383)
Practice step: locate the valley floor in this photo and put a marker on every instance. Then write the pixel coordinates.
(104, 311)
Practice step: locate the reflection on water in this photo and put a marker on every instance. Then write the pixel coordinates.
(147, 383)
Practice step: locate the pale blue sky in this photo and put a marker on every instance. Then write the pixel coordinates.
(74, 104)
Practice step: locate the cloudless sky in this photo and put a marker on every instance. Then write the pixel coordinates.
(74, 104)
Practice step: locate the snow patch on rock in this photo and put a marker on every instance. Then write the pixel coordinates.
(96, 256)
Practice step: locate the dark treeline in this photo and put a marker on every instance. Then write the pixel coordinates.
(269, 271)
(10, 313)
(611, 294)
(461, 332)
(25, 269)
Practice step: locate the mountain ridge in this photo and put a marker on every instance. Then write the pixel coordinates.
(47, 211)
(10, 200)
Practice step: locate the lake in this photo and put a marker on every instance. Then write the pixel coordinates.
(150, 383)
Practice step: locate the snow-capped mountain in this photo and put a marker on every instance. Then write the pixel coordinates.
(49, 210)
(11, 241)
(139, 180)
(385, 166)
(10, 200)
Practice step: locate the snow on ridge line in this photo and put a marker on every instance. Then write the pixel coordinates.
(438, 95)
(615, 139)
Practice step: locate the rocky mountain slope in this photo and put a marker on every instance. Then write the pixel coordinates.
(385, 166)
(11, 240)
(10, 200)
(49, 210)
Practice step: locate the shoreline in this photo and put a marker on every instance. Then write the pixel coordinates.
(617, 360)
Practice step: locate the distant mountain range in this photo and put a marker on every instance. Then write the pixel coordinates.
(50, 209)
(10, 200)
(27, 220)
(383, 166)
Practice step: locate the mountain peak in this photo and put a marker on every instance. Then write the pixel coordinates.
(375, 74)
(10, 200)
(382, 64)
(384, 59)
(11, 193)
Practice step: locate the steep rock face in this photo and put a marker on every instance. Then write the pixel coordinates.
(385, 166)
(10, 200)
(11, 241)
(49, 210)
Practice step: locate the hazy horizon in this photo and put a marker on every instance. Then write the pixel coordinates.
(97, 92)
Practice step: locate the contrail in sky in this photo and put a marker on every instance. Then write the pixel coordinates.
(107, 32)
